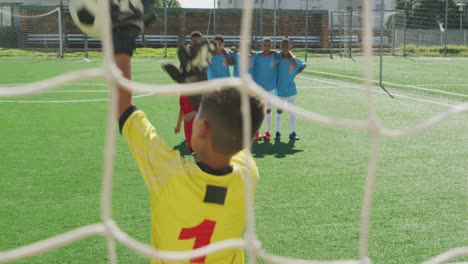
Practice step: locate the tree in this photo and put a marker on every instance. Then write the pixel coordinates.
(170, 3)
(427, 14)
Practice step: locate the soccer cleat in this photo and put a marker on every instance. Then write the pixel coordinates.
(267, 135)
(258, 136)
(277, 136)
(293, 136)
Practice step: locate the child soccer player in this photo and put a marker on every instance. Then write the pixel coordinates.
(265, 75)
(187, 114)
(236, 60)
(288, 67)
(219, 67)
(196, 203)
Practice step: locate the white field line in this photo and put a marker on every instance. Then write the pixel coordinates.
(30, 61)
(432, 58)
(80, 91)
(65, 101)
(358, 87)
(394, 84)
(72, 83)
(439, 85)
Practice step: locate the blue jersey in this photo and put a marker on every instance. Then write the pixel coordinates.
(287, 70)
(265, 73)
(236, 60)
(219, 67)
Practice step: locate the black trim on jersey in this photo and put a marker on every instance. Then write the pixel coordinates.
(216, 172)
(125, 115)
(215, 194)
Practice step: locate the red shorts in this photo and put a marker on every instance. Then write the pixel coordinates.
(185, 105)
(186, 108)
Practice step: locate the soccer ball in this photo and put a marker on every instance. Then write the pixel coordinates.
(83, 13)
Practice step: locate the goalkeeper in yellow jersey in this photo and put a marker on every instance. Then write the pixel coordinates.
(193, 204)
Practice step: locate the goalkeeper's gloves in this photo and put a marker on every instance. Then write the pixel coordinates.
(194, 61)
(129, 18)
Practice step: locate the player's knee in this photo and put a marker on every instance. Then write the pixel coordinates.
(279, 111)
(268, 111)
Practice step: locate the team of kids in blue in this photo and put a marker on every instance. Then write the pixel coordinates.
(272, 70)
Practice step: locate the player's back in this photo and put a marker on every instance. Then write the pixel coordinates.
(195, 208)
(191, 205)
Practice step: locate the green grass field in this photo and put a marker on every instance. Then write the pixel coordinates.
(310, 193)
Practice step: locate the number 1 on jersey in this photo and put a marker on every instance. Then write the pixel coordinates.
(202, 234)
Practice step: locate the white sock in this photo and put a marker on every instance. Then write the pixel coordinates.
(292, 121)
(278, 122)
(268, 122)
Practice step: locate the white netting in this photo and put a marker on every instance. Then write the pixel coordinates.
(38, 29)
(110, 231)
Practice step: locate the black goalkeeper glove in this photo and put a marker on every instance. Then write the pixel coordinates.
(194, 61)
(129, 18)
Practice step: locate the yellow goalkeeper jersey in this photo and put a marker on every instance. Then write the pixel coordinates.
(190, 208)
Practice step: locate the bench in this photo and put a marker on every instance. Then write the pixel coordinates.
(336, 39)
(43, 40)
(228, 40)
(77, 42)
(301, 41)
(158, 40)
(72, 41)
(298, 41)
(385, 41)
(344, 39)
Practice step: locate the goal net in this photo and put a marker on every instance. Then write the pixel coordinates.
(109, 230)
(31, 28)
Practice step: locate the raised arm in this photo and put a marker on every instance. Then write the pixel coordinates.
(123, 61)
(126, 26)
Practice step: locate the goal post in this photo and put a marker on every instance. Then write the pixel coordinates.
(32, 28)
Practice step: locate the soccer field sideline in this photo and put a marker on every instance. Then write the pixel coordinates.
(377, 90)
(415, 87)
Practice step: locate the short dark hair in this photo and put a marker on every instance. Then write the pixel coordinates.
(221, 110)
(219, 37)
(196, 34)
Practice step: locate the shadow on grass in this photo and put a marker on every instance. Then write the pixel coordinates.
(260, 149)
(278, 149)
